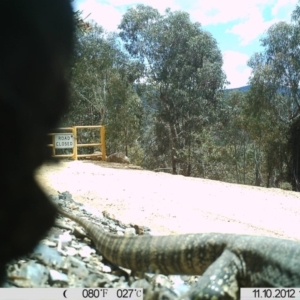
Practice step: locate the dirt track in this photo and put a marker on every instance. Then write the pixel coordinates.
(176, 204)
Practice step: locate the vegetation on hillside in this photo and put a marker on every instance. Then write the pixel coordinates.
(158, 87)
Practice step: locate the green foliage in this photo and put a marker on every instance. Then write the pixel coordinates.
(286, 186)
(274, 99)
(102, 89)
(182, 65)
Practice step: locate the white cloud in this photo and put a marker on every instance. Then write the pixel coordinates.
(248, 15)
(108, 14)
(236, 69)
(283, 9)
(104, 14)
(159, 5)
(254, 24)
(250, 28)
(216, 11)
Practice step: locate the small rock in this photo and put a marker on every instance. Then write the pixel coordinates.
(69, 251)
(118, 158)
(86, 251)
(56, 276)
(106, 269)
(48, 243)
(129, 232)
(36, 274)
(47, 255)
(161, 280)
(141, 283)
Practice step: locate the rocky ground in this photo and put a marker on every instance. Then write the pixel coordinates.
(114, 195)
(66, 258)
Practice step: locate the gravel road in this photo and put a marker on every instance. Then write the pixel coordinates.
(175, 204)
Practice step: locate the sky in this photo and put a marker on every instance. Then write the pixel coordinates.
(237, 25)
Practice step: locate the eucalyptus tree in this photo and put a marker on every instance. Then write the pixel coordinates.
(93, 58)
(276, 95)
(232, 141)
(103, 88)
(183, 66)
(294, 140)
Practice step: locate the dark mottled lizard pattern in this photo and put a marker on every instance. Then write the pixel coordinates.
(226, 262)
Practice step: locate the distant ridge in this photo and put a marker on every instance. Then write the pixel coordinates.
(241, 89)
(282, 90)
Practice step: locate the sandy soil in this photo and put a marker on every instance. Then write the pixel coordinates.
(175, 204)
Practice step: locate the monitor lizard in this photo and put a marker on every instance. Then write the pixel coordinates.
(226, 262)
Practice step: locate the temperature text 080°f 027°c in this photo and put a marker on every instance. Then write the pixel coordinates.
(71, 293)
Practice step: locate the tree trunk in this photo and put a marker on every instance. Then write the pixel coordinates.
(173, 149)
